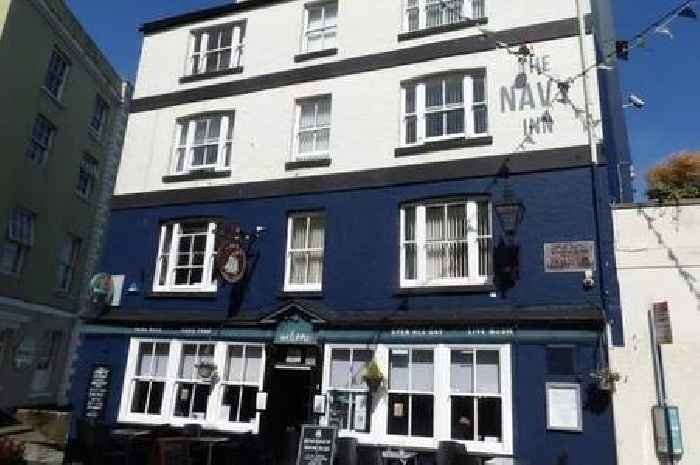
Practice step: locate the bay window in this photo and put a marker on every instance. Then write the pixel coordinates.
(444, 107)
(216, 49)
(425, 14)
(203, 142)
(185, 257)
(411, 392)
(446, 242)
(313, 128)
(305, 243)
(320, 26)
(348, 395)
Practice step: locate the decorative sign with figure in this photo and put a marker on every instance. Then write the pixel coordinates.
(231, 253)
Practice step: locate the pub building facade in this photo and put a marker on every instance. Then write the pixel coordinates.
(384, 217)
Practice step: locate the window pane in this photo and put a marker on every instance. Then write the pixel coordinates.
(314, 42)
(340, 368)
(360, 413)
(316, 232)
(461, 371)
(253, 364)
(487, 371)
(422, 371)
(299, 233)
(226, 37)
(324, 112)
(315, 271)
(422, 416)
(306, 142)
(463, 418)
(434, 125)
(435, 218)
(145, 359)
(188, 360)
(201, 397)
(308, 115)
(138, 402)
(360, 360)
(398, 370)
(454, 90)
(455, 122)
(297, 271)
(160, 361)
(433, 94)
(231, 399)
(490, 420)
(339, 409)
(456, 222)
(331, 10)
(248, 410)
(479, 89)
(409, 224)
(411, 130)
(410, 99)
(398, 414)
(156, 398)
(235, 363)
(322, 140)
(182, 400)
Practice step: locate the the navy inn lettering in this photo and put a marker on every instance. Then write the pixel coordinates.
(393, 182)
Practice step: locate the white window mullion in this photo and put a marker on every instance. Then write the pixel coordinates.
(189, 63)
(403, 246)
(209, 257)
(174, 247)
(203, 57)
(235, 47)
(472, 240)
(422, 20)
(420, 112)
(468, 106)
(421, 245)
(189, 151)
(159, 267)
(221, 151)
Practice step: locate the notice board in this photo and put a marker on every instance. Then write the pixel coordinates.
(317, 445)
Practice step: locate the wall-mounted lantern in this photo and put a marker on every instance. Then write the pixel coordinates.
(510, 212)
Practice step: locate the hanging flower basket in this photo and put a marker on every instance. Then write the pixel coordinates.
(373, 376)
(606, 379)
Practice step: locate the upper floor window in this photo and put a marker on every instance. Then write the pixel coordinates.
(305, 237)
(68, 262)
(99, 115)
(443, 107)
(423, 14)
(320, 26)
(20, 238)
(42, 135)
(56, 74)
(216, 49)
(204, 143)
(313, 127)
(446, 243)
(185, 257)
(87, 176)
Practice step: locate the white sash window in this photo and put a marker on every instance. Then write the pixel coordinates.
(305, 242)
(446, 243)
(203, 143)
(216, 49)
(443, 107)
(348, 395)
(42, 135)
(320, 27)
(411, 392)
(313, 128)
(241, 383)
(425, 14)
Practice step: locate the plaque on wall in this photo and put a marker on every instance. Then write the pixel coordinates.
(317, 445)
(98, 389)
(569, 257)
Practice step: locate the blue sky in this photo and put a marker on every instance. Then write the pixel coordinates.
(665, 74)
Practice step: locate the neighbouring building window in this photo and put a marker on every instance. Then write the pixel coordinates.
(56, 75)
(87, 176)
(320, 26)
(348, 396)
(443, 107)
(203, 142)
(20, 238)
(476, 395)
(423, 14)
(68, 262)
(446, 242)
(42, 135)
(216, 49)
(49, 348)
(148, 381)
(185, 257)
(99, 115)
(192, 392)
(241, 382)
(313, 128)
(411, 392)
(305, 240)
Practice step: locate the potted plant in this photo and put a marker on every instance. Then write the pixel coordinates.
(373, 376)
(606, 379)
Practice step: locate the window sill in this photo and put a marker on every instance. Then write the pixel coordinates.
(182, 295)
(53, 98)
(288, 294)
(211, 75)
(441, 29)
(447, 144)
(313, 55)
(310, 163)
(197, 175)
(446, 289)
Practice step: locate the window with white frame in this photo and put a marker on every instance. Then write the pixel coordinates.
(425, 14)
(446, 242)
(348, 394)
(99, 115)
(42, 136)
(215, 49)
(320, 26)
(19, 239)
(87, 176)
(147, 382)
(68, 262)
(443, 107)
(185, 257)
(313, 128)
(411, 392)
(56, 74)
(476, 395)
(241, 382)
(203, 142)
(305, 243)
(191, 391)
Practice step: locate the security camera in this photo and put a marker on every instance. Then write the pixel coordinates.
(636, 102)
(588, 280)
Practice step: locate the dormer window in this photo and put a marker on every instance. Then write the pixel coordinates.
(203, 142)
(216, 49)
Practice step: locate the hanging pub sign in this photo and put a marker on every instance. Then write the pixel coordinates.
(317, 445)
(567, 257)
(101, 288)
(97, 392)
(231, 258)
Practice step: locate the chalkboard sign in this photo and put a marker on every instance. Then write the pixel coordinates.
(97, 391)
(317, 445)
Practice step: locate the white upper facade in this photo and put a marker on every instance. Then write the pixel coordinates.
(490, 103)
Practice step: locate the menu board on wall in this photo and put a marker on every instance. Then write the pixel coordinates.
(98, 391)
(317, 445)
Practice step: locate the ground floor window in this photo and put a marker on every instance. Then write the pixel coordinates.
(349, 403)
